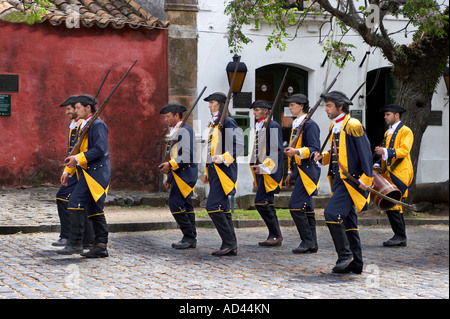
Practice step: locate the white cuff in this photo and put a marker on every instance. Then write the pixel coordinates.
(224, 161)
(385, 154)
(265, 169)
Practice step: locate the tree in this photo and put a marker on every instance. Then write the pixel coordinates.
(416, 67)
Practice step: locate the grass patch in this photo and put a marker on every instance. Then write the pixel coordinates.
(248, 214)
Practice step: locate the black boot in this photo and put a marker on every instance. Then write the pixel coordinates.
(89, 235)
(224, 226)
(301, 221)
(189, 232)
(312, 225)
(191, 216)
(398, 226)
(98, 251)
(268, 214)
(71, 249)
(356, 266)
(75, 243)
(64, 219)
(342, 246)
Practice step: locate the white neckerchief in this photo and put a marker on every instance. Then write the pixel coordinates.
(85, 121)
(393, 128)
(73, 125)
(337, 126)
(214, 116)
(298, 121)
(174, 129)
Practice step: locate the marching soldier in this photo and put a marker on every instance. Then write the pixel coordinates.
(396, 163)
(68, 181)
(224, 145)
(94, 171)
(267, 169)
(182, 174)
(305, 173)
(350, 154)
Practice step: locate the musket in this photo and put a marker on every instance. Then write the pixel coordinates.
(172, 141)
(310, 113)
(270, 114)
(329, 133)
(103, 82)
(230, 91)
(275, 102)
(357, 90)
(370, 189)
(98, 91)
(82, 134)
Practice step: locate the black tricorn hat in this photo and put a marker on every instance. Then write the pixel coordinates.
(260, 104)
(337, 97)
(173, 107)
(298, 98)
(69, 101)
(393, 108)
(85, 99)
(217, 96)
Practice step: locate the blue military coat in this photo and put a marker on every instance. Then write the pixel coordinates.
(302, 168)
(184, 171)
(229, 144)
(355, 156)
(94, 161)
(268, 150)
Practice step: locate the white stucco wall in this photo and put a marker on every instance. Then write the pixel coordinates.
(306, 53)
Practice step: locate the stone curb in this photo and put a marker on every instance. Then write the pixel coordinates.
(240, 223)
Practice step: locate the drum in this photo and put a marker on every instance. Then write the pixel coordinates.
(384, 185)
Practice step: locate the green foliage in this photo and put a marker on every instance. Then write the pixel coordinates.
(338, 51)
(425, 15)
(32, 12)
(245, 12)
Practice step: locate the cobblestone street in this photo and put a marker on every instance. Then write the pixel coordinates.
(142, 265)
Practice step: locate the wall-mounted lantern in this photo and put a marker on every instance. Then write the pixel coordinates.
(240, 75)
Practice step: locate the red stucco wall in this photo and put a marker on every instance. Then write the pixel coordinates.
(55, 62)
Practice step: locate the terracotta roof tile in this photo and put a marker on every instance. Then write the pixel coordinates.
(116, 13)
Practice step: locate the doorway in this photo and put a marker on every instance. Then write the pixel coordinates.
(267, 82)
(380, 92)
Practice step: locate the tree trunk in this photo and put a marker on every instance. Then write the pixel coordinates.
(416, 117)
(416, 72)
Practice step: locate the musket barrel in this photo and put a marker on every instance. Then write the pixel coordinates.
(84, 131)
(186, 116)
(103, 82)
(329, 134)
(277, 98)
(311, 112)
